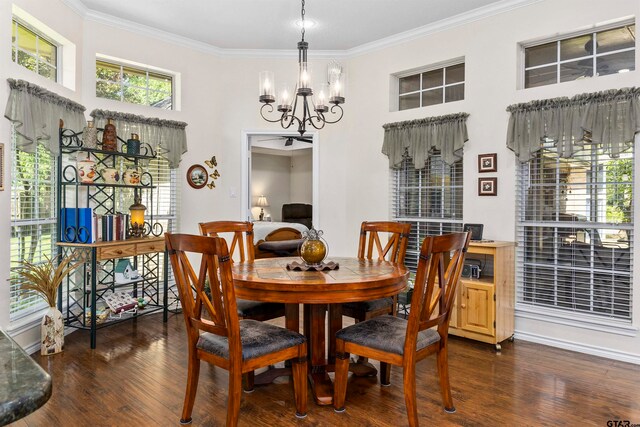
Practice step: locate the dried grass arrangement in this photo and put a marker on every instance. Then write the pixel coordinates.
(45, 278)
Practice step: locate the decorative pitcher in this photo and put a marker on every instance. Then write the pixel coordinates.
(110, 175)
(314, 249)
(132, 176)
(87, 170)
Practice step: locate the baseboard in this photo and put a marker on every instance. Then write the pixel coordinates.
(580, 348)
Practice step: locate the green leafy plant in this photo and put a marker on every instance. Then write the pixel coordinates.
(45, 278)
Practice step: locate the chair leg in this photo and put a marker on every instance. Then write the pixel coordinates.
(409, 374)
(235, 395)
(341, 374)
(385, 374)
(443, 374)
(192, 386)
(249, 379)
(300, 386)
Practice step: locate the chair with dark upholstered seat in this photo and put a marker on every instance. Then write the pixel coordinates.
(370, 247)
(215, 332)
(242, 246)
(403, 342)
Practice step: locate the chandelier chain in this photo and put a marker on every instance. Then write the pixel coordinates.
(302, 15)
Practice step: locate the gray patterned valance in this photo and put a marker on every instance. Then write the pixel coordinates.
(36, 114)
(420, 138)
(610, 118)
(168, 137)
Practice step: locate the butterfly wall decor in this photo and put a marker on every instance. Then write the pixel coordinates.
(213, 163)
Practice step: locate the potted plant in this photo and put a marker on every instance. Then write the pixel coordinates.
(45, 278)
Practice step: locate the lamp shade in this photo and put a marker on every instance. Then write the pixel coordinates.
(262, 202)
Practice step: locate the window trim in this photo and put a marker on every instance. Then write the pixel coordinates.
(522, 46)
(122, 63)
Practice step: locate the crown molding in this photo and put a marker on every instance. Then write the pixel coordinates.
(77, 6)
(445, 24)
(442, 25)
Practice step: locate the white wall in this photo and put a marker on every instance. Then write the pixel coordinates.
(219, 101)
(271, 177)
(301, 176)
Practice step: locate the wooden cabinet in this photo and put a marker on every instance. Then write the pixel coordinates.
(484, 307)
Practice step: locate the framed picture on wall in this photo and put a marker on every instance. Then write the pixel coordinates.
(197, 176)
(1, 167)
(488, 162)
(487, 186)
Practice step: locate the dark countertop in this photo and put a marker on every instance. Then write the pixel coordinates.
(24, 385)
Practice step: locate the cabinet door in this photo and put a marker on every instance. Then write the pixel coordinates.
(477, 307)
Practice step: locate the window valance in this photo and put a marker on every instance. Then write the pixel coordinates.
(421, 137)
(168, 137)
(610, 118)
(36, 114)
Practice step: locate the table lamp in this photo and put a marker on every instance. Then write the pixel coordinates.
(137, 218)
(262, 203)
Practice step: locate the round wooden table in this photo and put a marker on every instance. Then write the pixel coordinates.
(355, 279)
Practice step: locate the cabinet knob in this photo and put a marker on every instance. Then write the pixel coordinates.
(119, 251)
(153, 248)
(463, 305)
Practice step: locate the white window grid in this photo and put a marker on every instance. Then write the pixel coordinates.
(120, 82)
(39, 36)
(443, 86)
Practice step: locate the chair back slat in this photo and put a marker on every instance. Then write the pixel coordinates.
(215, 311)
(397, 240)
(241, 238)
(439, 269)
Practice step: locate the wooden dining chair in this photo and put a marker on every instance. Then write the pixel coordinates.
(215, 332)
(403, 342)
(241, 236)
(370, 247)
(242, 247)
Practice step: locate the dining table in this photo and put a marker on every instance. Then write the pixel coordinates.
(287, 280)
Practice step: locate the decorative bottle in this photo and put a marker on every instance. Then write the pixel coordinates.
(90, 136)
(133, 144)
(109, 137)
(313, 250)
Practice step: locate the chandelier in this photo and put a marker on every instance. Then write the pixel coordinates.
(304, 109)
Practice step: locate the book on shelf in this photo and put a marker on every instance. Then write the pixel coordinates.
(111, 227)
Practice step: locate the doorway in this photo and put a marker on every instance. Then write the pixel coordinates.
(281, 167)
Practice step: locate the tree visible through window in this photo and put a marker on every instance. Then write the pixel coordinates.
(134, 85)
(33, 51)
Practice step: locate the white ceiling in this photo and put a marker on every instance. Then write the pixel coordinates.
(271, 24)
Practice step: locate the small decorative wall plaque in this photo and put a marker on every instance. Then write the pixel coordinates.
(488, 162)
(197, 176)
(487, 186)
(212, 163)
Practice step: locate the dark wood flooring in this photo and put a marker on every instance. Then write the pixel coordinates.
(136, 377)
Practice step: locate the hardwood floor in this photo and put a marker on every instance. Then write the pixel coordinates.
(137, 375)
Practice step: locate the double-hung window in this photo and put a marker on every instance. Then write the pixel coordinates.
(575, 234)
(430, 199)
(33, 220)
(134, 85)
(33, 50)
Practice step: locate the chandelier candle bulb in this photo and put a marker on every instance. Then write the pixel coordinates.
(285, 101)
(267, 87)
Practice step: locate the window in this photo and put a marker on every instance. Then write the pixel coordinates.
(33, 220)
(429, 198)
(134, 85)
(431, 87)
(34, 51)
(593, 54)
(575, 234)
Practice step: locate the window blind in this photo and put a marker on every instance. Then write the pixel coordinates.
(575, 233)
(430, 199)
(33, 220)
